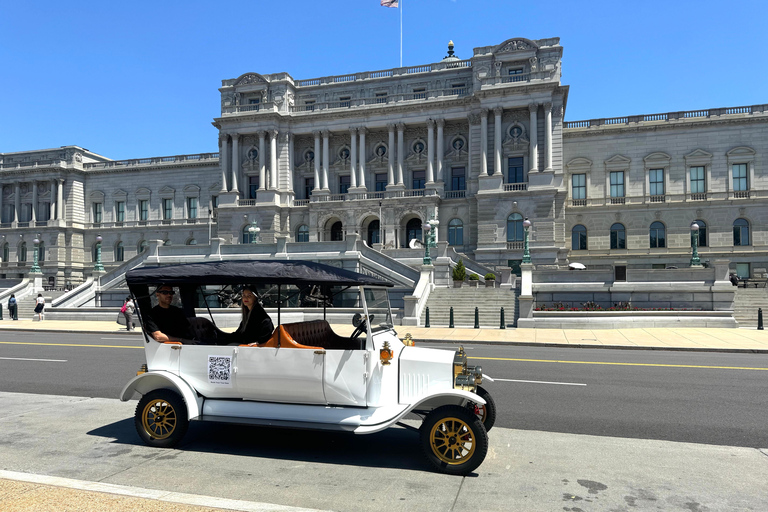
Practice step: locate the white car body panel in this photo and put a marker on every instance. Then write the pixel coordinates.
(288, 375)
(345, 378)
(162, 356)
(193, 366)
(147, 382)
(424, 371)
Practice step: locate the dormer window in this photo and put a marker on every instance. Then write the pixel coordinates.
(253, 103)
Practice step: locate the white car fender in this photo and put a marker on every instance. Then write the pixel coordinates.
(448, 397)
(151, 381)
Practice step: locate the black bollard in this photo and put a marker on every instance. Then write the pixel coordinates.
(450, 319)
(502, 324)
(426, 324)
(477, 318)
(1, 311)
(759, 319)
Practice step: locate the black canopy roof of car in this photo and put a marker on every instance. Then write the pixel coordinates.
(296, 272)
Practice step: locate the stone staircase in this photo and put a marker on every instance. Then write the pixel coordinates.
(745, 305)
(27, 304)
(489, 302)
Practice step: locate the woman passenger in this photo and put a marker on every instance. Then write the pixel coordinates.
(255, 326)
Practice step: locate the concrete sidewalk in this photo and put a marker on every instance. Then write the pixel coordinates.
(704, 339)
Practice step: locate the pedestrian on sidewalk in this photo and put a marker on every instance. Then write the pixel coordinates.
(12, 307)
(127, 311)
(40, 307)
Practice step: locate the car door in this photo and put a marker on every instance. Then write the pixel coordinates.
(346, 377)
(209, 369)
(284, 374)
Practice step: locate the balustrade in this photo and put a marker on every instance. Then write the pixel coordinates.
(669, 116)
(515, 187)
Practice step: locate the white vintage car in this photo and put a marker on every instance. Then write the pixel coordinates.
(306, 375)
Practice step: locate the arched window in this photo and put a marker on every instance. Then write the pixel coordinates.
(658, 235)
(337, 232)
(41, 252)
(167, 242)
(23, 252)
(740, 232)
(93, 252)
(455, 232)
(374, 230)
(412, 230)
(191, 241)
(142, 246)
(579, 238)
(119, 252)
(515, 228)
(247, 236)
(6, 252)
(702, 233)
(618, 236)
(302, 234)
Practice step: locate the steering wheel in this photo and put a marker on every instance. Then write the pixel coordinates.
(360, 329)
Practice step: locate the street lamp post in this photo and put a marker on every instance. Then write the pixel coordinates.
(35, 257)
(381, 226)
(526, 250)
(98, 267)
(695, 261)
(431, 228)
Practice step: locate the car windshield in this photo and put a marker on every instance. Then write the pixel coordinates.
(377, 301)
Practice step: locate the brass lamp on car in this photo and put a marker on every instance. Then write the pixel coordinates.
(385, 353)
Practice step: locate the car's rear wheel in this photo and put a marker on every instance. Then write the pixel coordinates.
(454, 440)
(487, 412)
(161, 418)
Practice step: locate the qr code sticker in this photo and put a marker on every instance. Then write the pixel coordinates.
(220, 370)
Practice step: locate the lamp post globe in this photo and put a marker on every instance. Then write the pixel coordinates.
(35, 258)
(695, 260)
(98, 267)
(526, 250)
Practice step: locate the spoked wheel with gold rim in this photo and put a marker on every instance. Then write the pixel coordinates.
(161, 418)
(487, 412)
(454, 439)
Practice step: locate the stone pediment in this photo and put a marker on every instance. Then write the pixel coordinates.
(517, 44)
(96, 195)
(579, 164)
(191, 189)
(617, 162)
(120, 194)
(250, 79)
(741, 151)
(698, 157)
(658, 158)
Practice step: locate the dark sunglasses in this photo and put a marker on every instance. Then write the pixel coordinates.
(167, 292)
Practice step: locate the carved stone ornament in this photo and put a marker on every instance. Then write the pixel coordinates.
(617, 216)
(557, 111)
(699, 213)
(474, 118)
(516, 137)
(518, 115)
(534, 62)
(657, 214)
(742, 212)
(250, 78)
(516, 45)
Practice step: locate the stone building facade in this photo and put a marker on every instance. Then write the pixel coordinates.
(478, 144)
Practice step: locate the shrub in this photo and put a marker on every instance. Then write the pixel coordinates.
(490, 277)
(474, 277)
(459, 272)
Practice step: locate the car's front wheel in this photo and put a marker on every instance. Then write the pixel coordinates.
(161, 418)
(487, 412)
(454, 439)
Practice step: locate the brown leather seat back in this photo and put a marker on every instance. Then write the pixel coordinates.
(318, 333)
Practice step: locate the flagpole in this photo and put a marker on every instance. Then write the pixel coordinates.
(401, 33)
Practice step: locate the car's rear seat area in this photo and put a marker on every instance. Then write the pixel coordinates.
(318, 333)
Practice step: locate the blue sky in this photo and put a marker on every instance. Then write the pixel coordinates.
(139, 79)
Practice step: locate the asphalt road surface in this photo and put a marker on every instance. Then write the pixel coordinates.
(699, 397)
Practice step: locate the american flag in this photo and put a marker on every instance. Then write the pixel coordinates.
(389, 3)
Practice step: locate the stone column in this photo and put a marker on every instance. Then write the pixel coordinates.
(440, 149)
(548, 136)
(34, 203)
(326, 159)
(353, 157)
(400, 152)
(430, 151)
(362, 131)
(317, 160)
(223, 150)
(52, 214)
(60, 200)
(484, 143)
(262, 161)
(533, 108)
(273, 159)
(1, 204)
(235, 160)
(16, 203)
(497, 140)
(390, 152)
(290, 162)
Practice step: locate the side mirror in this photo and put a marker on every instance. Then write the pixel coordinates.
(357, 319)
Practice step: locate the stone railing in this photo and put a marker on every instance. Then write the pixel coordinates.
(515, 187)
(668, 198)
(150, 222)
(384, 73)
(351, 196)
(58, 162)
(267, 106)
(159, 160)
(431, 94)
(668, 116)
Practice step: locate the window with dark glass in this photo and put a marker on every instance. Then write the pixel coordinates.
(309, 105)
(41, 252)
(254, 103)
(515, 228)
(698, 184)
(344, 183)
(302, 234)
(381, 182)
(337, 232)
(419, 179)
(214, 201)
(658, 235)
(6, 252)
(656, 182)
(309, 185)
(740, 232)
(143, 246)
(455, 232)
(579, 186)
(253, 186)
(458, 88)
(702, 233)
(618, 236)
(516, 74)
(119, 252)
(381, 97)
(412, 231)
(458, 178)
(419, 93)
(44, 211)
(740, 182)
(515, 172)
(120, 211)
(345, 101)
(167, 209)
(617, 183)
(191, 207)
(23, 252)
(579, 238)
(144, 209)
(97, 213)
(374, 232)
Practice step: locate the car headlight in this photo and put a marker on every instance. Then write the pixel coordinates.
(465, 377)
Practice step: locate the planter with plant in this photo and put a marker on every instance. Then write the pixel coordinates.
(474, 280)
(490, 280)
(459, 274)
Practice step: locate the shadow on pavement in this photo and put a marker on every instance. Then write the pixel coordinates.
(395, 448)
